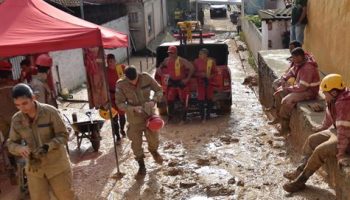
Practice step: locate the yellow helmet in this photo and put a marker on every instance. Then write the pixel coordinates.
(332, 81)
(105, 113)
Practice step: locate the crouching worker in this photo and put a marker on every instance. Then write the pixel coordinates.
(326, 142)
(133, 96)
(305, 87)
(42, 129)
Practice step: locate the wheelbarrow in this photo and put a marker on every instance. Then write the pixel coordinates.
(90, 130)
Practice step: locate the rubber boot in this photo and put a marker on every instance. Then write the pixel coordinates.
(170, 111)
(184, 115)
(299, 183)
(201, 110)
(210, 105)
(116, 127)
(157, 157)
(142, 169)
(122, 122)
(294, 174)
(284, 126)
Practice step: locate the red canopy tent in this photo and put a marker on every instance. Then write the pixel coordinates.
(33, 26)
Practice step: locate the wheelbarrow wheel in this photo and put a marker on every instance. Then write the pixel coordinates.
(95, 140)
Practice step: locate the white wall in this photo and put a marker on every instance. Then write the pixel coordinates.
(137, 29)
(281, 4)
(71, 63)
(270, 4)
(157, 16)
(165, 15)
(275, 35)
(253, 37)
(149, 11)
(121, 25)
(71, 67)
(265, 35)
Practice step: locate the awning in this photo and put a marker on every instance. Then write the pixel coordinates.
(34, 26)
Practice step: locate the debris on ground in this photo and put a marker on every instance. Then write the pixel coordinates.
(219, 190)
(203, 162)
(228, 139)
(240, 183)
(251, 81)
(187, 184)
(231, 181)
(173, 171)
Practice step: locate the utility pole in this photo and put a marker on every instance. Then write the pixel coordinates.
(82, 9)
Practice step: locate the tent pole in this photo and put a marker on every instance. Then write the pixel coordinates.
(109, 105)
(82, 9)
(128, 56)
(196, 10)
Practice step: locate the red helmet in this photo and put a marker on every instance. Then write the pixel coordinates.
(44, 60)
(155, 123)
(172, 49)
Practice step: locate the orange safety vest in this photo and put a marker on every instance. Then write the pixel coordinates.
(210, 63)
(119, 70)
(177, 67)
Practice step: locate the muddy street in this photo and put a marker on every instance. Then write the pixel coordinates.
(233, 156)
(237, 156)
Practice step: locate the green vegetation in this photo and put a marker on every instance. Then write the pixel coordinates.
(255, 19)
(241, 36)
(251, 61)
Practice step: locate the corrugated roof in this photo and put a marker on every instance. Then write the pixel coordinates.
(276, 14)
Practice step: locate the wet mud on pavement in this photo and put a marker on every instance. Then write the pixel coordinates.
(236, 156)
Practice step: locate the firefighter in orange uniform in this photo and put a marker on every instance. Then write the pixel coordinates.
(180, 71)
(114, 73)
(205, 72)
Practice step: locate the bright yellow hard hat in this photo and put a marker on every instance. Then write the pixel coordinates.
(105, 113)
(332, 81)
(291, 81)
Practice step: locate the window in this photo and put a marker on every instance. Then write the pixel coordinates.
(133, 17)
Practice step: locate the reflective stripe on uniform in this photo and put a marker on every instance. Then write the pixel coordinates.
(309, 84)
(119, 70)
(6, 87)
(342, 123)
(209, 67)
(177, 67)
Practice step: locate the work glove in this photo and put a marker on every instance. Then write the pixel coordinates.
(41, 151)
(344, 162)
